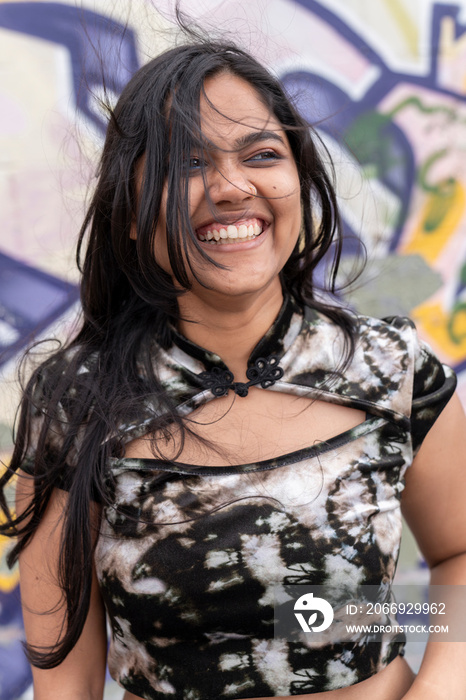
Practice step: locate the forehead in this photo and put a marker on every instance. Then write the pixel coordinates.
(231, 107)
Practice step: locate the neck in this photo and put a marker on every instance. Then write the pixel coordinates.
(230, 328)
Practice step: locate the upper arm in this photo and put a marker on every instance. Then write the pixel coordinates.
(82, 673)
(433, 501)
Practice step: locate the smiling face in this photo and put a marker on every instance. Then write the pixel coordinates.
(249, 174)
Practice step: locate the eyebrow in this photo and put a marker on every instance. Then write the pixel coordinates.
(248, 139)
(257, 136)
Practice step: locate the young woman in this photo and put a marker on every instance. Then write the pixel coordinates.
(217, 431)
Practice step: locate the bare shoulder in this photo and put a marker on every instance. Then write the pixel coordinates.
(83, 670)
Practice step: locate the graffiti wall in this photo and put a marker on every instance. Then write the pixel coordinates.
(384, 83)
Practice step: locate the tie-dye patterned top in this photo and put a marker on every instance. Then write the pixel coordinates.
(190, 558)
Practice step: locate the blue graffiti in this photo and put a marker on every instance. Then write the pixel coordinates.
(102, 56)
(30, 300)
(370, 135)
(385, 145)
(102, 51)
(15, 673)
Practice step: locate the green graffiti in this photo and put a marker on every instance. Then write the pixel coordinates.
(463, 276)
(458, 310)
(437, 209)
(442, 194)
(363, 133)
(444, 187)
(366, 140)
(416, 102)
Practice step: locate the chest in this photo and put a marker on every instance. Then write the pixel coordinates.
(335, 501)
(234, 430)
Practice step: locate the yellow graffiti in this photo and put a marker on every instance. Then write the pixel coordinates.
(8, 579)
(438, 221)
(405, 24)
(449, 331)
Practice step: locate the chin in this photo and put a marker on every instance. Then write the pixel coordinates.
(244, 289)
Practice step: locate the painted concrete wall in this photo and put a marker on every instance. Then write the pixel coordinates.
(386, 83)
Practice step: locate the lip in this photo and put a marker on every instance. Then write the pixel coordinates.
(232, 218)
(236, 247)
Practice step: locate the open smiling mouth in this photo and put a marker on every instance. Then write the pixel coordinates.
(240, 232)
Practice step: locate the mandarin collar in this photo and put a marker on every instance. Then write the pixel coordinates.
(264, 362)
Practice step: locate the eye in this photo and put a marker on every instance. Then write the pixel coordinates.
(195, 163)
(263, 157)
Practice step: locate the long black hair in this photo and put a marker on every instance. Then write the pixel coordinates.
(70, 420)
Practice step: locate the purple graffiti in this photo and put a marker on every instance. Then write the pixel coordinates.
(30, 300)
(102, 51)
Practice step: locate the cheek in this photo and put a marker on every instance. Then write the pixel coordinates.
(290, 206)
(290, 190)
(292, 217)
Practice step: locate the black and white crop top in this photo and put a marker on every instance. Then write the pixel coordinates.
(189, 558)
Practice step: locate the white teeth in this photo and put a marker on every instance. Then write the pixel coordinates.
(231, 233)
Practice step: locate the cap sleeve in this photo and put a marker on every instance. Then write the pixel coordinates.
(433, 385)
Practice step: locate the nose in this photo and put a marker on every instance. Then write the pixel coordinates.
(230, 186)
